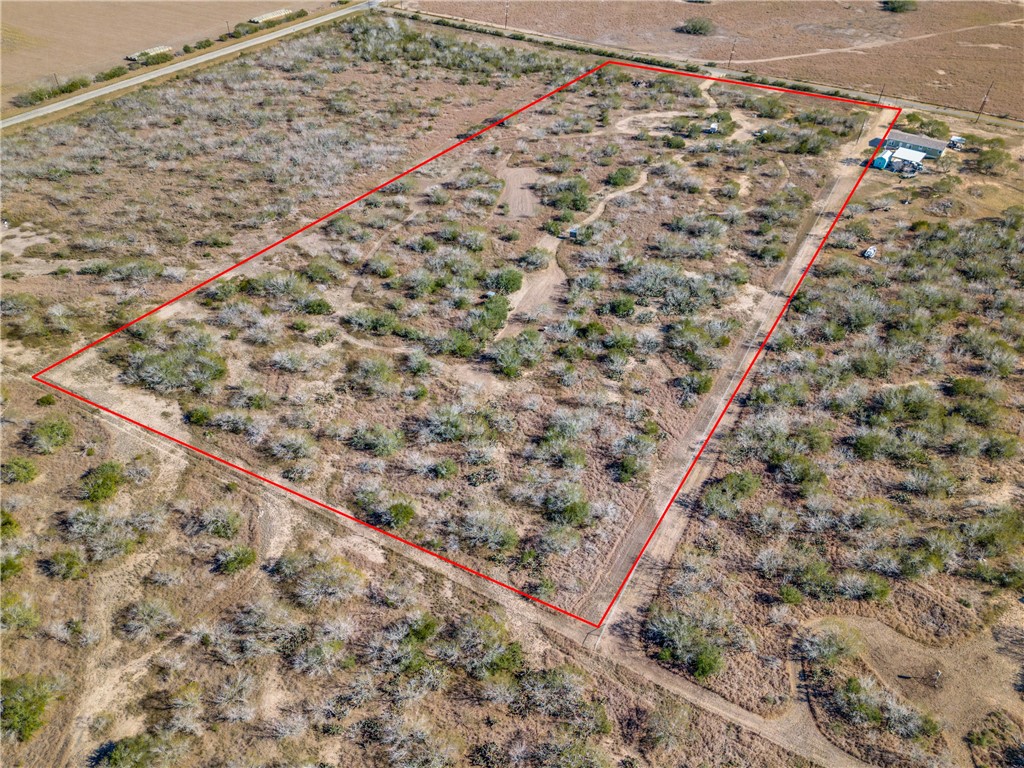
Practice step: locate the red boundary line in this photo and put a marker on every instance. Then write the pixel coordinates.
(38, 375)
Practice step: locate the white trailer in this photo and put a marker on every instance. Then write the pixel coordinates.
(143, 55)
(272, 16)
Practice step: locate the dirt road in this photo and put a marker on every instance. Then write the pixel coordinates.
(518, 193)
(638, 594)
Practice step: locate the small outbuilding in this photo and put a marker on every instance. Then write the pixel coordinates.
(931, 148)
(882, 160)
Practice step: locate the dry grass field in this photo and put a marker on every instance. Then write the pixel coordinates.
(945, 53)
(68, 39)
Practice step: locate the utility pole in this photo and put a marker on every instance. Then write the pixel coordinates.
(506, 13)
(984, 101)
(863, 124)
(55, 80)
(729, 65)
(880, 93)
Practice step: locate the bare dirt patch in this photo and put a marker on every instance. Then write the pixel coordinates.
(518, 193)
(957, 683)
(16, 240)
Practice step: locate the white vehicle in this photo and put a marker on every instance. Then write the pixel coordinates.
(870, 252)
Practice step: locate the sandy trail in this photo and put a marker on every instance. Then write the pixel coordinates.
(599, 210)
(539, 287)
(518, 190)
(747, 124)
(959, 683)
(538, 290)
(655, 123)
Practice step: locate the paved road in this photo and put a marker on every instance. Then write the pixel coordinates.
(181, 66)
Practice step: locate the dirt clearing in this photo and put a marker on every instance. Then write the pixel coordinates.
(518, 193)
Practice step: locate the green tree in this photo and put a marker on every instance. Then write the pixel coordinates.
(50, 434)
(102, 482)
(899, 6)
(18, 614)
(8, 524)
(24, 699)
(10, 566)
(66, 564)
(622, 177)
(993, 160)
(505, 281)
(400, 514)
(697, 26)
(235, 559)
(707, 661)
(18, 470)
(141, 751)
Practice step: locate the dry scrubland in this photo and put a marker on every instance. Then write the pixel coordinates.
(171, 616)
(850, 44)
(436, 360)
(875, 475)
(501, 403)
(69, 39)
(159, 612)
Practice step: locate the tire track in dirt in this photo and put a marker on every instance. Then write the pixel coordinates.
(540, 287)
(943, 680)
(861, 47)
